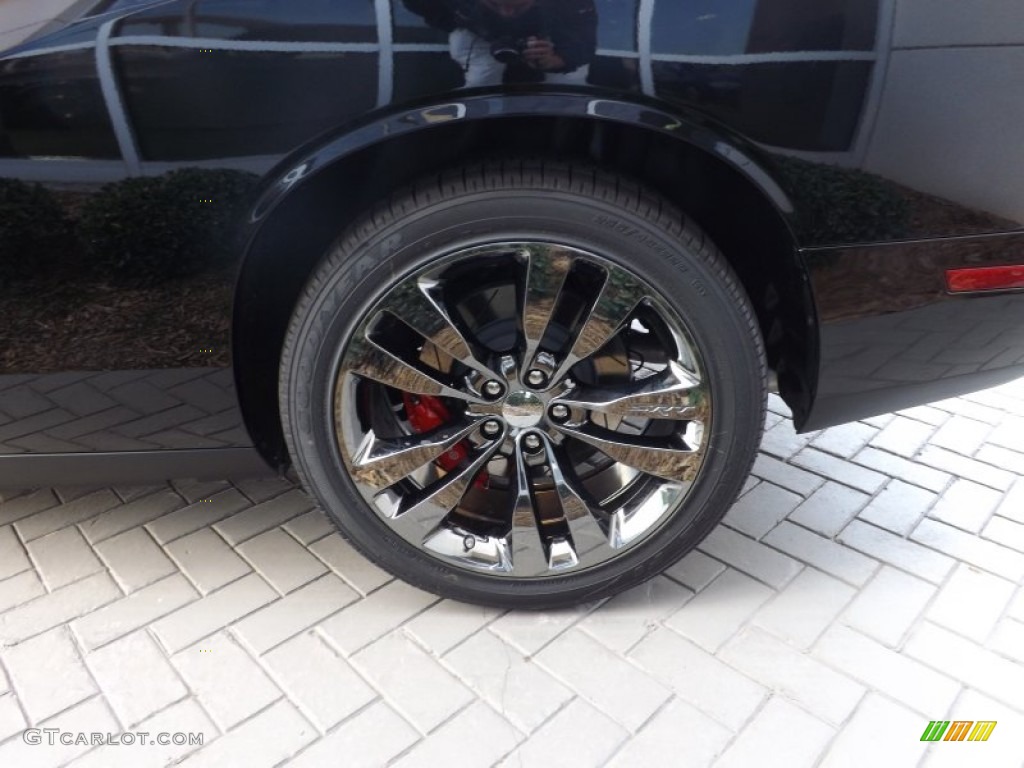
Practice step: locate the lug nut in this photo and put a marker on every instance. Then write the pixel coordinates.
(491, 428)
(493, 389)
(532, 442)
(559, 412)
(536, 378)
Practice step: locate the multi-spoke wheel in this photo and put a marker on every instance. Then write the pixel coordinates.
(524, 386)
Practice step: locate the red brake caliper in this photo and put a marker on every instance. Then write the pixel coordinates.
(426, 414)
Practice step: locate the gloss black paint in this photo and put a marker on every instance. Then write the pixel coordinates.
(872, 151)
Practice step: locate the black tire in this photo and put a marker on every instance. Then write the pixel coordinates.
(581, 207)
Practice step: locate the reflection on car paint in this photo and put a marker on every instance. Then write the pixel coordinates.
(105, 111)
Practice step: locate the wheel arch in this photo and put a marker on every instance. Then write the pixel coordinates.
(717, 178)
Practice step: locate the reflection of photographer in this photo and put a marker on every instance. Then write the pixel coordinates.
(496, 41)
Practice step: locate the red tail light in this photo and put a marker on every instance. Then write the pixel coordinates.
(985, 279)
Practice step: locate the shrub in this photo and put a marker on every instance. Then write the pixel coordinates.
(843, 205)
(34, 231)
(149, 229)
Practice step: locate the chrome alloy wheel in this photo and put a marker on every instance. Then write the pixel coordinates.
(522, 409)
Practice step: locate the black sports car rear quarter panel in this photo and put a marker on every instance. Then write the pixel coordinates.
(171, 172)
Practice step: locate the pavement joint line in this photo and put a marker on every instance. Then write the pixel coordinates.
(638, 627)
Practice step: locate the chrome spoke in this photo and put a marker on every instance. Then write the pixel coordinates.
(527, 549)
(368, 359)
(482, 553)
(664, 457)
(418, 304)
(418, 515)
(382, 462)
(490, 455)
(673, 394)
(619, 297)
(546, 271)
(587, 534)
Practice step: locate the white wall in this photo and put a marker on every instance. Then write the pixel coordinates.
(951, 119)
(20, 19)
(958, 22)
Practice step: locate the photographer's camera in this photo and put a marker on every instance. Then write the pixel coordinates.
(509, 50)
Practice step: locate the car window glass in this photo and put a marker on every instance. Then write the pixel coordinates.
(716, 28)
(807, 105)
(616, 29)
(253, 103)
(411, 28)
(350, 21)
(67, 119)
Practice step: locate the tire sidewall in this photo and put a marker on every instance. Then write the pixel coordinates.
(692, 280)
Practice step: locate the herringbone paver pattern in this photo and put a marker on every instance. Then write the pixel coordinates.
(121, 411)
(870, 579)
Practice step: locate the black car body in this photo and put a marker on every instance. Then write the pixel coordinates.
(857, 162)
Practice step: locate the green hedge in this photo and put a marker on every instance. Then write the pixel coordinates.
(34, 230)
(149, 229)
(843, 205)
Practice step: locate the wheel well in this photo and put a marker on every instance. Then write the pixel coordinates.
(733, 212)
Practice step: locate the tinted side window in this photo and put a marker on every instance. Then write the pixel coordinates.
(616, 28)
(715, 28)
(814, 25)
(250, 102)
(807, 105)
(705, 27)
(350, 21)
(411, 28)
(51, 106)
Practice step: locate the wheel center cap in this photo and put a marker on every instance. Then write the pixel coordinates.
(523, 409)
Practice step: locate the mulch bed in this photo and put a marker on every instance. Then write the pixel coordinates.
(69, 322)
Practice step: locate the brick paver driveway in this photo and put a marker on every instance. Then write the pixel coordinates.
(868, 581)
